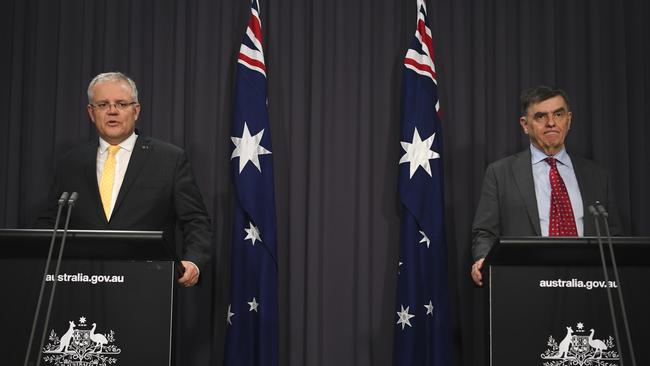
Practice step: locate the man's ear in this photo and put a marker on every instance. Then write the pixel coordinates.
(90, 112)
(137, 111)
(524, 124)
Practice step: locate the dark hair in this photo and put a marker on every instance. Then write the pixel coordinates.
(539, 94)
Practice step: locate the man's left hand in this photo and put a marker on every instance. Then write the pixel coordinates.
(190, 276)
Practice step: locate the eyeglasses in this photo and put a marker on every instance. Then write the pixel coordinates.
(104, 106)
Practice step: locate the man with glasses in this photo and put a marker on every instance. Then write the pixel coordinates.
(127, 181)
(541, 191)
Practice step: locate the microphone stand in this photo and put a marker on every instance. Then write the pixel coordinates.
(595, 213)
(61, 203)
(604, 214)
(71, 202)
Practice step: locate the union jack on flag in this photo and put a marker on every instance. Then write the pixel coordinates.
(252, 319)
(422, 333)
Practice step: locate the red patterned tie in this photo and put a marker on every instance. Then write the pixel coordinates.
(562, 221)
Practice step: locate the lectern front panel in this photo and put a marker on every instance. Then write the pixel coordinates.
(112, 312)
(559, 315)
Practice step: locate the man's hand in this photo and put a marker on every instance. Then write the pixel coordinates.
(190, 276)
(476, 272)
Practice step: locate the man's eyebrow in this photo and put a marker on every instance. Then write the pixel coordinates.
(540, 113)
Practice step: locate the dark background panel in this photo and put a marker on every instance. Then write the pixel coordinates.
(334, 71)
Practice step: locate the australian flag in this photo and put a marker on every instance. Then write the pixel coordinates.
(252, 319)
(422, 330)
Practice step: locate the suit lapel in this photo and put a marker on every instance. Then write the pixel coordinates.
(90, 175)
(588, 198)
(139, 156)
(523, 174)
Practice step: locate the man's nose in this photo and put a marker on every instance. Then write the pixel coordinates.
(550, 119)
(112, 109)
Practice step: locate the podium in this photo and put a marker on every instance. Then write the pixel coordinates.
(113, 303)
(548, 301)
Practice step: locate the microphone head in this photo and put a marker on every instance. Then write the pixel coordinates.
(64, 197)
(73, 198)
(601, 209)
(592, 210)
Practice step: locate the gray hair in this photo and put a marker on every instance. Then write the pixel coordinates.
(112, 76)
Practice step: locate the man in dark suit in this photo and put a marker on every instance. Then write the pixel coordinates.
(516, 193)
(130, 182)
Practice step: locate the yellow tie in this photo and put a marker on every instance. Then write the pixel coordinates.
(107, 178)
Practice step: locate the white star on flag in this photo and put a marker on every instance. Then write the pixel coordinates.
(418, 153)
(425, 238)
(230, 314)
(248, 148)
(252, 233)
(253, 304)
(429, 308)
(404, 317)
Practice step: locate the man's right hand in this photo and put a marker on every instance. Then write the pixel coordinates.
(476, 272)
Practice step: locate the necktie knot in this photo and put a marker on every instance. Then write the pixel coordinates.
(551, 161)
(113, 149)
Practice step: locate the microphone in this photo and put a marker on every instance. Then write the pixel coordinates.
(60, 203)
(62, 199)
(71, 201)
(73, 198)
(619, 290)
(595, 213)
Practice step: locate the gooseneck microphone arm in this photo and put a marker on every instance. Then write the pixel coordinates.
(71, 202)
(603, 213)
(612, 313)
(62, 201)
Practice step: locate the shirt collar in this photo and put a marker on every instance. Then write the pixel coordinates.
(127, 144)
(537, 156)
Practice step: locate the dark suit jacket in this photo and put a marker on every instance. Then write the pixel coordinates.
(508, 206)
(158, 193)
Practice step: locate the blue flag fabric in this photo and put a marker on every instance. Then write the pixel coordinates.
(422, 334)
(252, 319)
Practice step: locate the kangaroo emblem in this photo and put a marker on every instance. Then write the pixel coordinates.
(565, 344)
(65, 339)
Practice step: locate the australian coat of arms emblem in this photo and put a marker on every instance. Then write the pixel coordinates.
(580, 348)
(81, 345)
